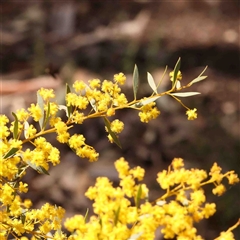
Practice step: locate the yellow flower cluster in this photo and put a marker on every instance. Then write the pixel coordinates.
(148, 112)
(124, 212)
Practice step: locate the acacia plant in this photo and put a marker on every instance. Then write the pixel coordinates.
(122, 212)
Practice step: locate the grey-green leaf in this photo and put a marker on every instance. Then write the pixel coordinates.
(69, 108)
(40, 102)
(10, 153)
(185, 94)
(47, 116)
(198, 79)
(135, 81)
(176, 70)
(15, 127)
(26, 126)
(138, 197)
(39, 169)
(151, 82)
(149, 100)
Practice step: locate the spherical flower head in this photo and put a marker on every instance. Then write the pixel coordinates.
(122, 167)
(35, 112)
(4, 132)
(81, 102)
(71, 99)
(209, 209)
(232, 178)
(110, 112)
(23, 187)
(22, 114)
(128, 185)
(77, 117)
(215, 173)
(3, 120)
(46, 94)
(76, 141)
(120, 100)
(163, 180)
(53, 108)
(219, 190)
(30, 131)
(148, 112)
(177, 163)
(117, 126)
(191, 113)
(79, 86)
(120, 78)
(137, 173)
(87, 152)
(179, 75)
(94, 83)
(198, 197)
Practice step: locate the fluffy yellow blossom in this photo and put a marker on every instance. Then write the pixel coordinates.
(3, 120)
(46, 94)
(31, 131)
(23, 187)
(22, 114)
(138, 173)
(35, 112)
(117, 126)
(232, 178)
(148, 112)
(191, 113)
(219, 190)
(79, 86)
(209, 209)
(76, 141)
(94, 83)
(61, 130)
(77, 117)
(177, 163)
(120, 78)
(122, 167)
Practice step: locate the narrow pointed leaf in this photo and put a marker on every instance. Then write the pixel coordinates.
(10, 153)
(113, 135)
(69, 108)
(86, 214)
(151, 82)
(138, 197)
(39, 169)
(117, 216)
(160, 81)
(176, 70)
(26, 126)
(198, 79)
(149, 100)
(185, 94)
(42, 170)
(15, 127)
(92, 102)
(135, 81)
(47, 116)
(40, 102)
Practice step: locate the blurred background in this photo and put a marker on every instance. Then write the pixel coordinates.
(48, 43)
